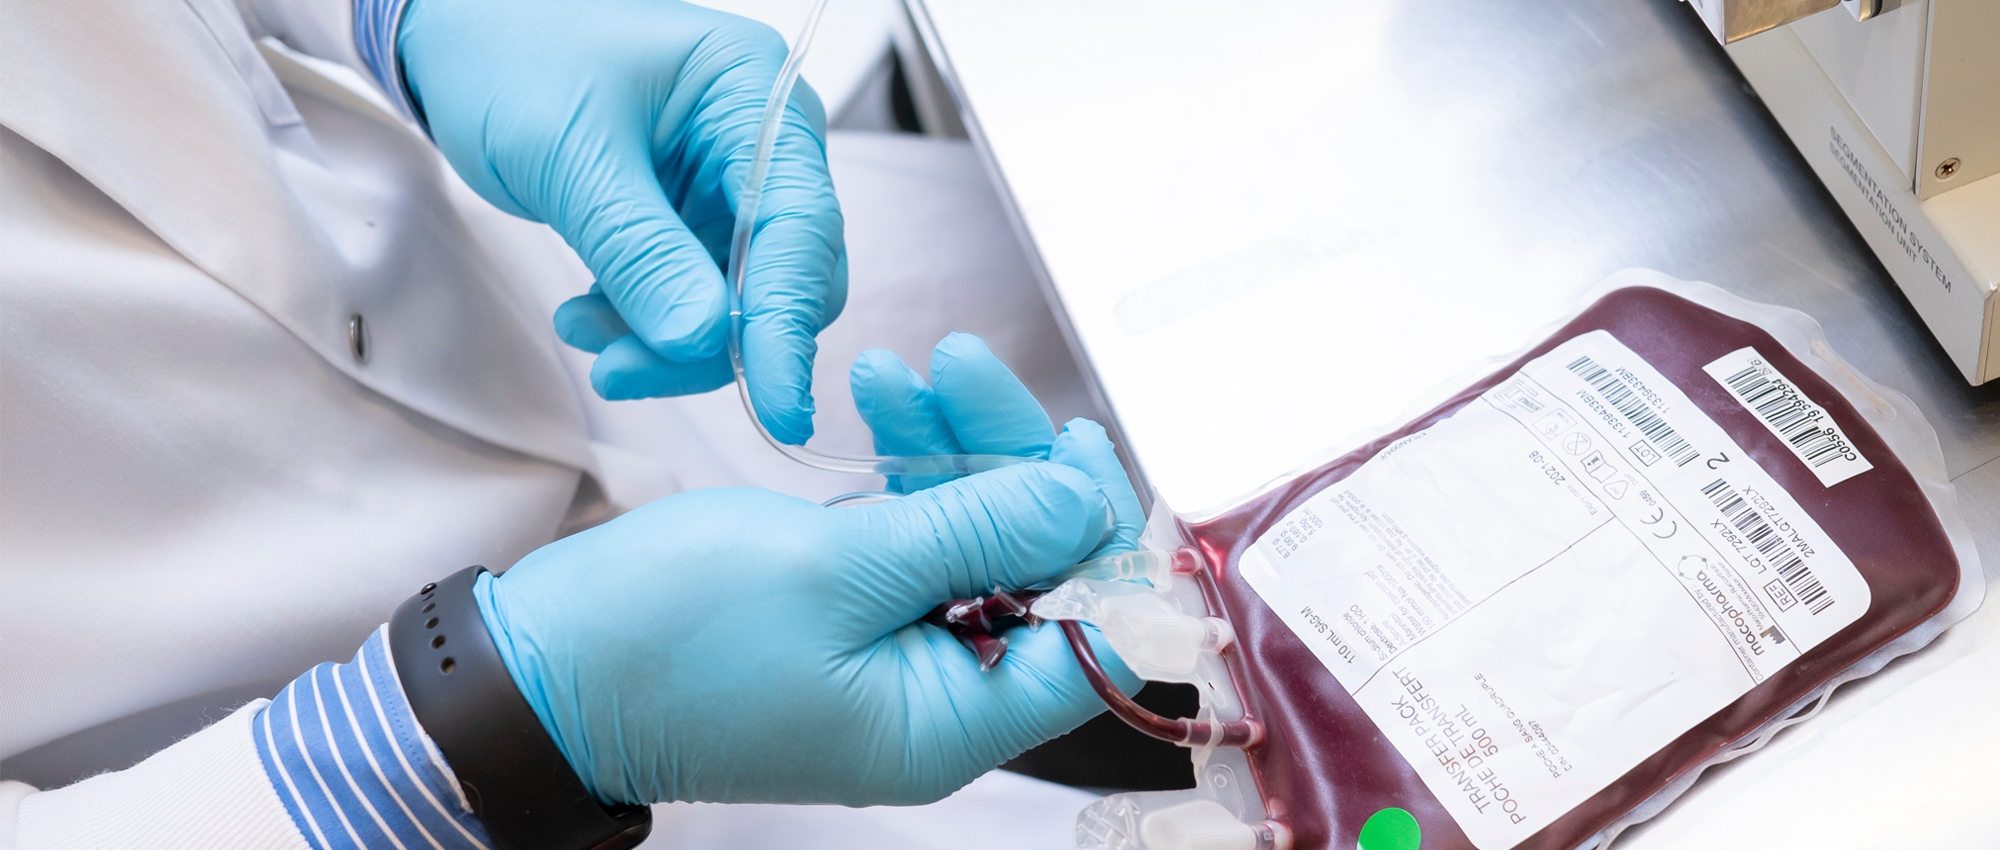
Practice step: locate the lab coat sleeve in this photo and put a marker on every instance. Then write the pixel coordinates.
(360, 34)
(208, 791)
(336, 762)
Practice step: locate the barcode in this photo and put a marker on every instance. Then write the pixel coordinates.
(1794, 417)
(1629, 403)
(1744, 516)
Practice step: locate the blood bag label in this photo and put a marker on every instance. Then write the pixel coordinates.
(1534, 595)
(1813, 437)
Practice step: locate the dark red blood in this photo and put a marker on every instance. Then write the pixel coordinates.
(1324, 767)
(988, 648)
(978, 622)
(1173, 730)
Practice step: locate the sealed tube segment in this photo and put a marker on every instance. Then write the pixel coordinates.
(1177, 730)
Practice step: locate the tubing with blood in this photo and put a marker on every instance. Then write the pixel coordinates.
(972, 621)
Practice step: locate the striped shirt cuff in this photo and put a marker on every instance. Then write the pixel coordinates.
(352, 766)
(375, 26)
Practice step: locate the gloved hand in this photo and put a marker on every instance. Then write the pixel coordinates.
(742, 646)
(628, 126)
(974, 404)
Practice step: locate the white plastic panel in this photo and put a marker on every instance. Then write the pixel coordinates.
(1878, 64)
(1961, 116)
(1854, 169)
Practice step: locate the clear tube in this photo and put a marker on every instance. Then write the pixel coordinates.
(1150, 565)
(1187, 732)
(739, 254)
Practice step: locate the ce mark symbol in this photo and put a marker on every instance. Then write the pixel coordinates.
(1673, 527)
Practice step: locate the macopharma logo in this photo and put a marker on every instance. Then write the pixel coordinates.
(1724, 607)
(1730, 613)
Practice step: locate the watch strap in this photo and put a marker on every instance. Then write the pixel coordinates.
(519, 784)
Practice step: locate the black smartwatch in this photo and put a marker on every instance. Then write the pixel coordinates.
(521, 788)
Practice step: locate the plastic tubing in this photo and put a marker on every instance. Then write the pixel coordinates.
(1194, 733)
(739, 255)
(1155, 567)
(1174, 730)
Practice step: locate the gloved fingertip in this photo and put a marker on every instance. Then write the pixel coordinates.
(1083, 444)
(589, 322)
(1086, 429)
(690, 333)
(629, 369)
(874, 364)
(1086, 446)
(613, 374)
(1087, 502)
(959, 347)
(790, 422)
(781, 387)
(882, 382)
(901, 412)
(988, 407)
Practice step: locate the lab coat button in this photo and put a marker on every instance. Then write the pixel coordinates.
(357, 338)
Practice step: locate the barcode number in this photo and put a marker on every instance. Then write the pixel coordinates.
(1629, 403)
(1792, 415)
(1744, 516)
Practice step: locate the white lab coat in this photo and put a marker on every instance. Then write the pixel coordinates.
(192, 450)
(203, 490)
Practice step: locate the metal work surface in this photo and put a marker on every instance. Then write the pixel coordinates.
(1271, 226)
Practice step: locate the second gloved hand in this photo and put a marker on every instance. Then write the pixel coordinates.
(743, 646)
(628, 126)
(974, 403)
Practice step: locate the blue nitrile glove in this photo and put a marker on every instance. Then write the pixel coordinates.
(742, 646)
(628, 126)
(974, 404)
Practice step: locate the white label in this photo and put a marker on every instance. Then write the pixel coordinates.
(1804, 427)
(1534, 595)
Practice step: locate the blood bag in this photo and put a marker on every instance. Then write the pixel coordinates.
(1528, 617)
(1532, 615)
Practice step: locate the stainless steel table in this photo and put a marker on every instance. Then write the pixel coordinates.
(1270, 225)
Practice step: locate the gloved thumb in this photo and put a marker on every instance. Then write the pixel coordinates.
(1011, 527)
(1083, 444)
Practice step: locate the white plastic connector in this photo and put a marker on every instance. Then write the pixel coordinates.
(1146, 627)
(1153, 636)
(1197, 825)
(1219, 636)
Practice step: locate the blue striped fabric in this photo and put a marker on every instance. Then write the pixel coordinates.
(375, 25)
(353, 768)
